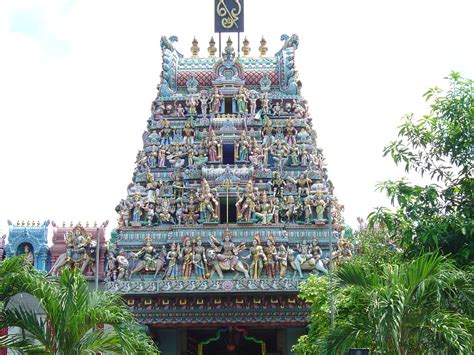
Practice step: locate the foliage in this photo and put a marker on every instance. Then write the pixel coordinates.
(440, 146)
(76, 320)
(418, 306)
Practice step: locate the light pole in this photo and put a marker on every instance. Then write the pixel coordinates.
(331, 294)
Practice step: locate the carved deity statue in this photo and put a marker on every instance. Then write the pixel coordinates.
(270, 254)
(79, 249)
(246, 203)
(216, 100)
(208, 204)
(187, 258)
(257, 258)
(224, 256)
(199, 259)
(241, 98)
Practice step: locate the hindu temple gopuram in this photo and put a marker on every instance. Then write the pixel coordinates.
(228, 209)
(229, 206)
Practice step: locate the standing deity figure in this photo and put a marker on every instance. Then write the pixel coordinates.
(199, 259)
(291, 209)
(165, 133)
(179, 110)
(304, 157)
(178, 185)
(253, 97)
(150, 213)
(290, 133)
(188, 136)
(257, 154)
(277, 109)
(270, 254)
(320, 208)
(122, 266)
(246, 203)
(265, 103)
(172, 257)
(187, 258)
(213, 146)
(276, 208)
(266, 209)
(242, 147)
(216, 100)
(257, 258)
(294, 155)
(162, 156)
(308, 205)
(303, 184)
(192, 104)
(152, 156)
(277, 183)
(267, 133)
(282, 258)
(204, 100)
(241, 98)
(208, 204)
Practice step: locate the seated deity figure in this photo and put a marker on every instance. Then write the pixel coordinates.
(78, 243)
(257, 258)
(279, 152)
(265, 214)
(246, 203)
(146, 257)
(208, 204)
(277, 109)
(29, 258)
(224, 256)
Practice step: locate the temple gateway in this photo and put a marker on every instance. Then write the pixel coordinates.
(229, 208)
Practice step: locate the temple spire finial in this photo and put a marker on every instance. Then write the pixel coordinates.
(263, 48)
(195, 48)
(246, 48)
(212, 47)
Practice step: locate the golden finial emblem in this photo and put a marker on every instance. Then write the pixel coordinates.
(263, 47)
(212, 47)
(195, 48)
(246, 48)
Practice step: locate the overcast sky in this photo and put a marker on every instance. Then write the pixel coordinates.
(77, 79)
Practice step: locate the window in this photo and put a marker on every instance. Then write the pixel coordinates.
(228, 154)
(228, 104)
(231, 217)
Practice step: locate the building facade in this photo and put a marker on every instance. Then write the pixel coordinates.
(230, 205)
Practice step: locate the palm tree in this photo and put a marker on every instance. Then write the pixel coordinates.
(75, 320)
(423, 306)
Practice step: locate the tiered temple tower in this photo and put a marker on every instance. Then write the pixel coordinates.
(229, 206)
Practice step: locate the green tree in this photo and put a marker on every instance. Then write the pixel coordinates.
(75, 321)
(419, 306)
(439, 145)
